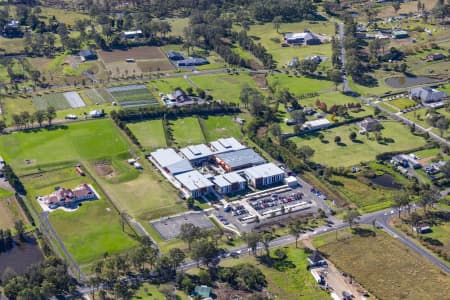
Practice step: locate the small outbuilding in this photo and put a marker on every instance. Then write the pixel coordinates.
(202, 291)
(400, 34)
(369, 124)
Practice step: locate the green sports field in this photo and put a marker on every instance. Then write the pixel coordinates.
(149, 133)
(31, 150)
(220, 127)
(187, 131)
(349, 152)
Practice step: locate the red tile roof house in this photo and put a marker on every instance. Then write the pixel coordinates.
(70, 198)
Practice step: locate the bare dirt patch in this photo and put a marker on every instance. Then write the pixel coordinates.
(260, 80)
(104, 169)
(155, 65)
(145, 52)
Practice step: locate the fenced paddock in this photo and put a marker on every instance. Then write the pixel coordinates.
(74, 99)
(133, 95)
(170, 227)
(57, 100)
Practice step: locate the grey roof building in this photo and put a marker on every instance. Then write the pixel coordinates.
(229, 183)
(239, 159)
(226, 145)
(427, 94)
(195, 183)
(263, 175)
(165, 157)
(196, 153)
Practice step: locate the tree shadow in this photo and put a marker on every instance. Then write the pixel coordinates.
(341, 144)
(356, 141)
(363, 232)
(276, 263)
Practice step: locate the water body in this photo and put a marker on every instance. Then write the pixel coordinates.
(21, 255)
(387, 181)
(405, 81)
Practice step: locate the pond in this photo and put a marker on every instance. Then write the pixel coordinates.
(21, 255)
(387, 181)
(399, 82)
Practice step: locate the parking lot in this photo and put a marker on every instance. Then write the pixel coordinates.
(268, 205)
(169, 228)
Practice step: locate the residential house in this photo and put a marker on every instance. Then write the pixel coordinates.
(299, 38)
(173, 55)
(316, 124)
(132, 34)
(87, 55)
(180, 96)
(399, 34)
(192, 61)
(369, 124)
(12, 30)
(435, 56)
(264, 175)
(70, 198)
(427, 94)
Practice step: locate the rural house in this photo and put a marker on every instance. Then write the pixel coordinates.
(305, 37)
(70, 198)
(435, 56)
(427, 94)
(316, 124)
(12, 30)
(173, 55)
(132, 34)
(399, 34)
(87, 55)
(369, 124)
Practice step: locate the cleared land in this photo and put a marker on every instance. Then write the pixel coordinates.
(10, 211)
(219, 127)
(299, 85)
(57, 100)
(224, 87)
(29, 151)
(187, 131)
(349, 153)
(385, 267)
(136, 53)
(149, 133)
(288, 279)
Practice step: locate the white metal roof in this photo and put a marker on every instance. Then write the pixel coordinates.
(193, 180)
(228, 179)
(196, 151)
(315, 123)
(166, 157)
(265, 170)
(226, 144)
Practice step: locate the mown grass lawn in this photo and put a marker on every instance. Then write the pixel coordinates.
(220, 127)
(224, 87)
(299, 85)
(91, 231)
(384, 266)
(349, 153)
(58, 145)
(153, 292)
(187, 131)
(149, 133)
(403, 103)
(418, 117)
(289, 282)
(168, 85)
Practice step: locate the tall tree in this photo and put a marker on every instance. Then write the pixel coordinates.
(296, 229)
(189, 232)
(351, 217)
(51, 114)
(252, 239)
(277, 22)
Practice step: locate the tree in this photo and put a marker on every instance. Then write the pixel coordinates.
(352, 136)
(203, 251)
(2, 125)
(40, 116)
(20, 228)
(189, 232)
(190, 202)
(400, 199)
(429, 197)
(51, 114)
(396, 5)
(252, 239)
(445, 169)
(305, 152)
(335, 76)
(275, 130)
(442, 124)
(337, 139)
(299, 117)
(177, 257)
(296, 229)
(351, 217)
(266, 238)
(277, 22)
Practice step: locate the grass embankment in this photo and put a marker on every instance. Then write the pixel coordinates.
(384, 266)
